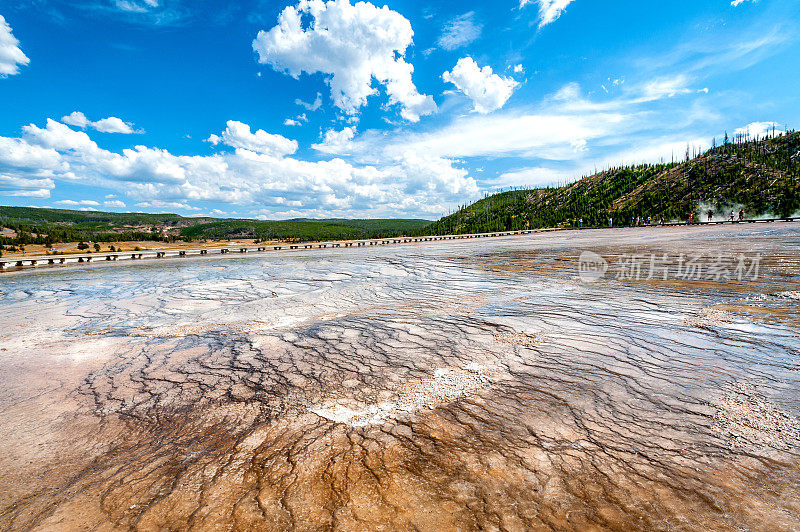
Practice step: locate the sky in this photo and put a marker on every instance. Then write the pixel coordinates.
(275, 110)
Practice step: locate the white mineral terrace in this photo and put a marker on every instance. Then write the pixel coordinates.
(471, 384)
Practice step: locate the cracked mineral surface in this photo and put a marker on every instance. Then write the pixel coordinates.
(459, 385)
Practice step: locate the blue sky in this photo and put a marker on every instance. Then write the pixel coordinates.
(338, 109)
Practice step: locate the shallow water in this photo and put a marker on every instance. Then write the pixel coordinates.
(449, 386)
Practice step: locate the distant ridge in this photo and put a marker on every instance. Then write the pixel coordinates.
(45, 226)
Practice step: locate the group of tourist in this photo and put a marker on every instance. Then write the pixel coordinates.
(732, 216)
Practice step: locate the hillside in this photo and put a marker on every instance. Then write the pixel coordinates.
(25, 225)
(302, 229)
(760, 176)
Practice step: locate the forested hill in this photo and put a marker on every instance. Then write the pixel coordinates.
(26, 225)
(760, 176)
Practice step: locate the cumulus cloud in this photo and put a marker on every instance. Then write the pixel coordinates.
(487, 90)
(549, 10)
(238, 135)
(735, 3)
(117, 204)
(352, 44)
(11, 57)
(112, 124)
(460, 31)
(760, 130)
(27, 170)
(296, 121)
(336, 142)
(253, 175)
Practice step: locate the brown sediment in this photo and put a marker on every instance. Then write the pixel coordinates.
(750, 420)
(709, 317)
(520, 338)
(430, 391)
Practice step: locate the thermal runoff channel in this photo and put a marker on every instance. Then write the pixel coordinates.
(640, 378)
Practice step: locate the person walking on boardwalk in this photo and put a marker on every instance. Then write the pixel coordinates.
(731, 216)
(710, 215)
(741, 215)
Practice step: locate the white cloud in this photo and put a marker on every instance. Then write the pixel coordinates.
(460, 31)
(16, 186)
(159, 204)
(564, 133)
(553, 135)
(760, 130)
(296, 121)
(528, 177)
(336, 142)
(238, 135)
(549, 10)
(11, 57)
(667, 87)
(133, 6)
(433, 175)
(27, 170)
(112, 124)
(351, 43)
(75, 203)
(487, 90)
(518, 69)
(310, 106)
(115, 204)
(735, 3)
(278, 185)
